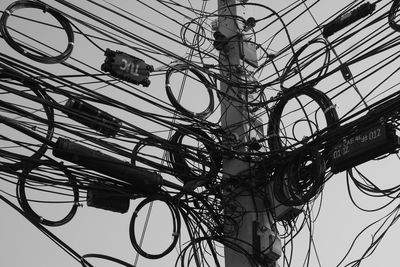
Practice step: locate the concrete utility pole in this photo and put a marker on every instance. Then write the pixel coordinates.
(254, 233)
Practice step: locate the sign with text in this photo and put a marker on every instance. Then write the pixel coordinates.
(127, 67)
(366, 145)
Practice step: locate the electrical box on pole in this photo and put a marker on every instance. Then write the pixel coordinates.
(252, 230)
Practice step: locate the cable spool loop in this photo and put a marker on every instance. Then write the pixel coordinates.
(24, 202)
(176, 220)
(291, 66)
(199, 36)
(17, 5)
(175, 102)
(302, 178)
(210, 159)
(325, 104)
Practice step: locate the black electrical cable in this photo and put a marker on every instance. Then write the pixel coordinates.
(275, 140)
(84, 262)
(204, 216)
(295, 58)
(370, 190)
(24, 178)
(210, 158)
(123, 31)
(347, 19)
(106, 100)
(176, 220)
(198, 39)
(37, 5)
(31, 84)
(150, 159)
(175, 102)
(302, 178)
(46, 232)
(138, 147)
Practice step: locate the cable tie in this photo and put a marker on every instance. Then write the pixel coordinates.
(329, 108)
(135, 213)
(167, 84)
(41, 219)
(175, 234)
(8, 12)
(71, 43)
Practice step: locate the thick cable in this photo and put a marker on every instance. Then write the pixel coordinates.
(274, 124)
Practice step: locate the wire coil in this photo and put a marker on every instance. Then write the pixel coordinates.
(23, 183)
(302, 178)
(176, 228)
(20, 49)
(175, 102)
(210, 158)
(293, 64)
(392, 15)
(323, 101)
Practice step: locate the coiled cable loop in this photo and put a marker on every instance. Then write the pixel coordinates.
(20, 49)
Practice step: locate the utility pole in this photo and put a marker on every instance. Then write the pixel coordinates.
(252, 230)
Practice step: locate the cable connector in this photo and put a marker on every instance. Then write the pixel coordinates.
(345, 20)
